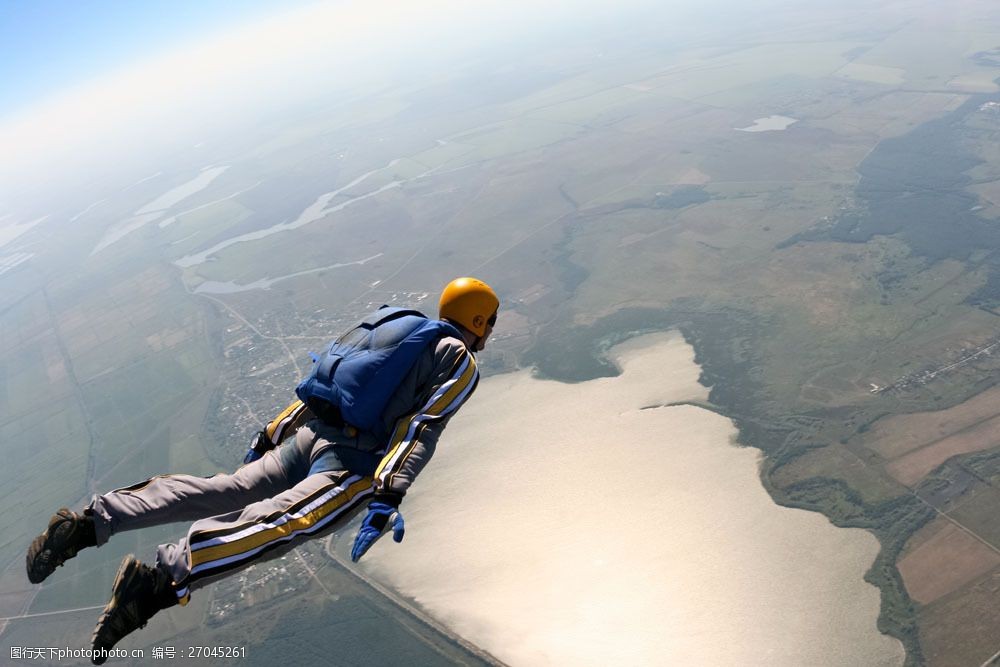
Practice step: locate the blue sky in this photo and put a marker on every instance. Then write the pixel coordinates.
(84, 82)
(48, 45)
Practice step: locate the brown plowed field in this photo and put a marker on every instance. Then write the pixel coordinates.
(894, 436)
(912, 467)
(944, 563)
(961, 629)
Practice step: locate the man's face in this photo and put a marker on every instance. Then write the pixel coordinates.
(481, 343)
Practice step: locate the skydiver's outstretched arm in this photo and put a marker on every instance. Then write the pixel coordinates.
(413, 442)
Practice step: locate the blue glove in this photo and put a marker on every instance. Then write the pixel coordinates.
(380, 516)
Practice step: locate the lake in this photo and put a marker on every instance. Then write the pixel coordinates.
(581, 524)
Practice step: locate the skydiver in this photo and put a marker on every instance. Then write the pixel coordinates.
(339, 458)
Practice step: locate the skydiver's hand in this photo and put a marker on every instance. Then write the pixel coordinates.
(259, 446)
(380, 518)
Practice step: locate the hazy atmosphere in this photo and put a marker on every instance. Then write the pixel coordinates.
(780, 215)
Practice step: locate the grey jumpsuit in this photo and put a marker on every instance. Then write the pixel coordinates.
(308, 485)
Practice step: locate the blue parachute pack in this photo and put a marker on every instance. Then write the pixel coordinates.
(357, 374)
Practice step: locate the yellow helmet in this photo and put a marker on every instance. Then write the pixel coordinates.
(469, 302)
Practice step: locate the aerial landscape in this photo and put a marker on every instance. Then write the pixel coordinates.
(748, 258)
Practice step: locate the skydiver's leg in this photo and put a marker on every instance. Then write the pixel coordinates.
(162, 499)
(263, 530)
(169, 498)
(222, 544)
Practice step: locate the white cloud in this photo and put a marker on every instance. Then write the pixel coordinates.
(12, 232)
(147, 106)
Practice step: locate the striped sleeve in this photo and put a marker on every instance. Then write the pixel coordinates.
(287, 422)
(415, 436)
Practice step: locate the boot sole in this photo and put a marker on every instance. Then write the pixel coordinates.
(126, 572)
(38, 547)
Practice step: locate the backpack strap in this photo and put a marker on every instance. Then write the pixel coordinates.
(327, 364)
(387, 314)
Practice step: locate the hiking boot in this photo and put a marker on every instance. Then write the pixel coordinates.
(138, 593)
(67, 533)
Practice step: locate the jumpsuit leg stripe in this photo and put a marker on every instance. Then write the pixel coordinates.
(208, 538)
(184, 594)
(199, 537)
(235, 548)
(448, 398)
